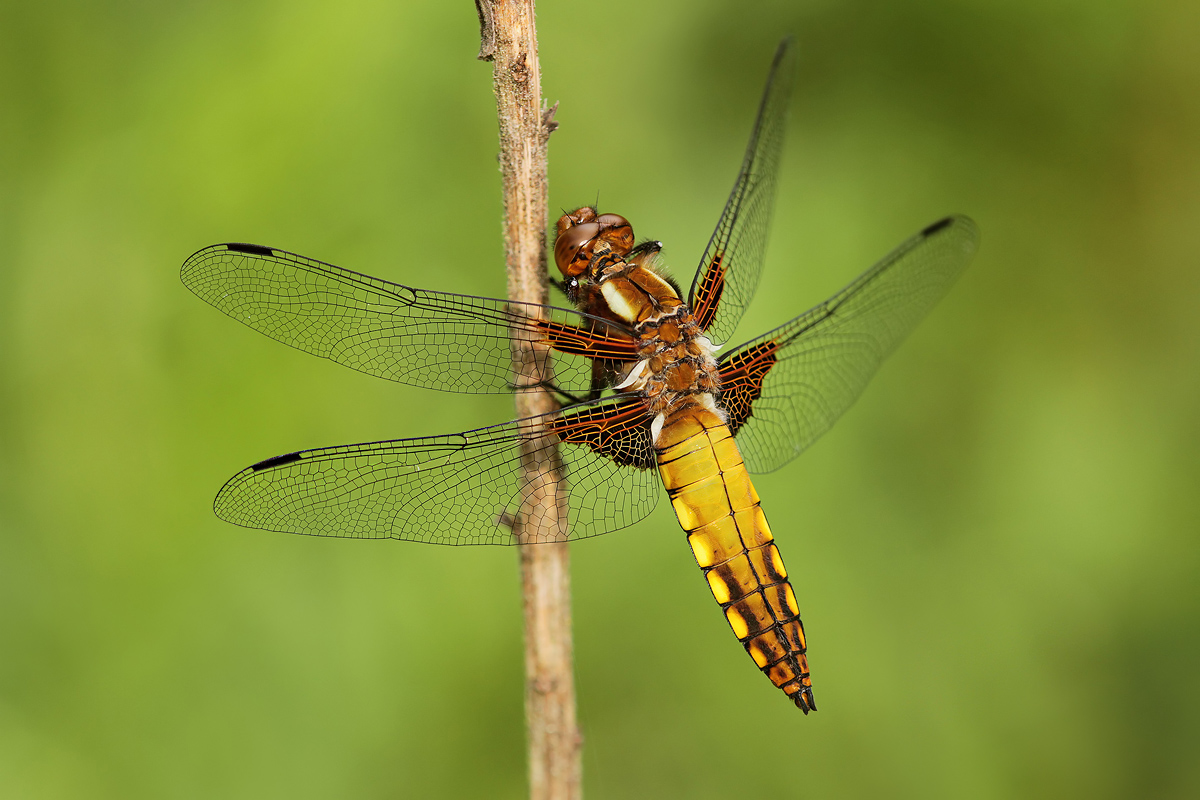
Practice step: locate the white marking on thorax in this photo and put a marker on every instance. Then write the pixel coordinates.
(656, 428)
(617, 302)
(637, 376)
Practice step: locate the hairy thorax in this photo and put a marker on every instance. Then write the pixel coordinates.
(607, 276)
(676, 367)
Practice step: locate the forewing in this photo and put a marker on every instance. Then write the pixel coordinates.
(732, 262)
(430, 339)
(783, 390)
(462, 488)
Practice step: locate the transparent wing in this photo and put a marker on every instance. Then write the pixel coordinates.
(732, 262)
(429, 339)
(786, 388)
(461, 488)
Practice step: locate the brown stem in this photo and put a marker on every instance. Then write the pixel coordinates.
(509, 39)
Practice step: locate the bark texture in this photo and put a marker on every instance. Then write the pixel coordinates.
(509, 40)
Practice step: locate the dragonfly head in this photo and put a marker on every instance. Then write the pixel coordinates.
(583, 233)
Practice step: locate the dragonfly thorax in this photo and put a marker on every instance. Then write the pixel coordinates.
(614, 280)
(677, 367)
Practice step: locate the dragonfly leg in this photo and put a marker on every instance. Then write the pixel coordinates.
(563, 394)
(572, 399)
(560, 285)
(594, 394)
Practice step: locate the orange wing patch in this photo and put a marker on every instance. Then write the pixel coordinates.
(596, 343)
(742, 379)
(708, 293)
(618, 429)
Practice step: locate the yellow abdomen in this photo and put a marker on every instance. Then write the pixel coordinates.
(717, 505)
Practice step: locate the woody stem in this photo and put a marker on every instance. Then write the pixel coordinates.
(509, 40)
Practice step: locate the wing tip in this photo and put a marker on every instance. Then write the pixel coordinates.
(960, 225)
(250, 249)
(226, 506)
(276, 461)
(941, 224)
(961, 221)
(785, 46)
(197, 259)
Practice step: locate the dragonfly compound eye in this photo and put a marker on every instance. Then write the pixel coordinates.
(577, 217)
(573, 248)
(617, 231)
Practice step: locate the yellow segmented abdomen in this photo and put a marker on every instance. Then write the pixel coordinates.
(716, 504)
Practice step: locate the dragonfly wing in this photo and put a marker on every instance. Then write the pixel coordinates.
(461, 488)
(732, 262)
(786, 388)
(430, 339)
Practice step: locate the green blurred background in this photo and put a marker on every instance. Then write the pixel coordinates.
(995, 551)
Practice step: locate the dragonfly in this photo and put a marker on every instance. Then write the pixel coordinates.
(651, 397)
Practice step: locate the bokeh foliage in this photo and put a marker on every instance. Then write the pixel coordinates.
(995, 551)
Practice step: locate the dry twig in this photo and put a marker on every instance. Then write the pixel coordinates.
(509, 40)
